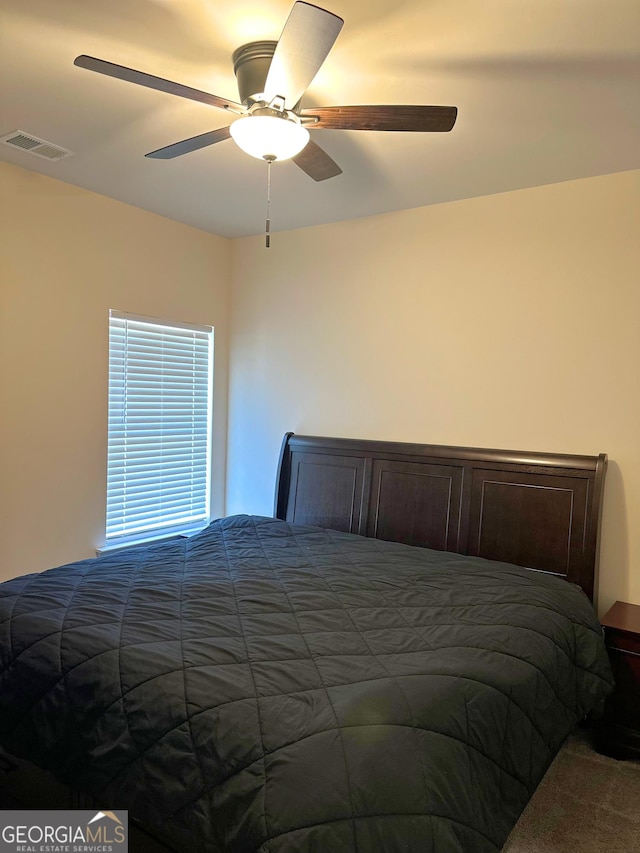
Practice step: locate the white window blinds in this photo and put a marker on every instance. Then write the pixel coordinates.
(160, 407)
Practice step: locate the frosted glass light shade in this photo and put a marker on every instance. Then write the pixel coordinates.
(269, 136)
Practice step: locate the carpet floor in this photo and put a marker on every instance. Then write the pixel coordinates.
(586, 803)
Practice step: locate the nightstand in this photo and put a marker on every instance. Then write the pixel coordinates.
(619, 730)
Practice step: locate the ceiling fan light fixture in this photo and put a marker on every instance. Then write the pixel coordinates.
(269, 137)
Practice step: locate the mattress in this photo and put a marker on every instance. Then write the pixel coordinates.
(275, 688)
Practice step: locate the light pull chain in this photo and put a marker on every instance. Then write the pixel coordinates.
(267, 236)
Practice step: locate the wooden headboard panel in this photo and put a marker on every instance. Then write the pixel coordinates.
(539, 510)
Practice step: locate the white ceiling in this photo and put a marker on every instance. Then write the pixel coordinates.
(547, 90)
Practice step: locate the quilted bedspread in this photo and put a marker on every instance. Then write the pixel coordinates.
(265, 687)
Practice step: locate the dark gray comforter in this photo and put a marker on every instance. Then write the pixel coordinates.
(263, 687)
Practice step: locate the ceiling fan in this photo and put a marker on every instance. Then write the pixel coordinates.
(272, 78)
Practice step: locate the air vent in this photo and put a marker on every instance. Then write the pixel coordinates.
(33, 145)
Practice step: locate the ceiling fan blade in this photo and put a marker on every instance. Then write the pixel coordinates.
(130, 75)
(316, 162)
(307, 38)
(394, 117)
(189, 145)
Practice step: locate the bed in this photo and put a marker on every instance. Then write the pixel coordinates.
(389, 663)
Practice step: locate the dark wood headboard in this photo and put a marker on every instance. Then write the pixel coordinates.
(539, 510)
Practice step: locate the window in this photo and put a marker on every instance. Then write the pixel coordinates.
(160, 413)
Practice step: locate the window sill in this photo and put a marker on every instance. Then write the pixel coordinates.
(155, 539)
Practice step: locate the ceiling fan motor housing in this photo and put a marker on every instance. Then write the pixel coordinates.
(251, 64)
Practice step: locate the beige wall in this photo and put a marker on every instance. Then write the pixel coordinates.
(504, 321)
(67, 256)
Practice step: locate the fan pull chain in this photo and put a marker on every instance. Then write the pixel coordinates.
(267, 235)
